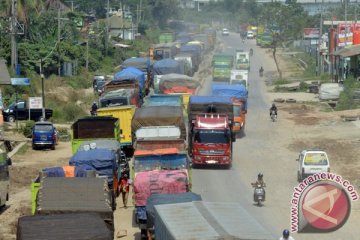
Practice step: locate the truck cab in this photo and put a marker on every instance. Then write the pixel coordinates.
(20, 111)
(211, 140)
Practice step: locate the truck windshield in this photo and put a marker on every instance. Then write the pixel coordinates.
(43, 128)
(212, 136)
(237, 110)
(114, 102)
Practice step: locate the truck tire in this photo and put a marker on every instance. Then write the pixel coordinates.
(11, 118)
(53, 147)
(33, 147)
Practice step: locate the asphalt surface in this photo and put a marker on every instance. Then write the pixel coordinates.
(259, 151)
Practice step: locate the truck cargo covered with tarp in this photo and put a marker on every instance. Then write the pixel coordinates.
(142, 64)
(330, 91)
(75, 195)
(226, 90)
(177, 83)
(159, 181)
(103, 161)
(159, 116)
(207, 220)
(159, 199)
(167, 66)
(74, 226)
(148, 162)
(210, 104)
(128, 74)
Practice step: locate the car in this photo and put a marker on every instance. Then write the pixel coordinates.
(250, 35)
(5, 162)
(44, 134)
(225, 32)
(312, 161)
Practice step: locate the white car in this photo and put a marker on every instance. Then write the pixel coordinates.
(225, 32)
(311, 162)
(250, 35)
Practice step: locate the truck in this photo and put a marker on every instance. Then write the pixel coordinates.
(210, 133)
(144, 65)
(19, 110)
(177, 83)
(75, 195)
(124, 114)
(163, 50)
(94, 128)
(163, 100)
(195, 51)
(264, 39)
(189, 60)
(242, 60)
(190, 220)
(222, 65)
(239, 77)
(166, 37)
(163, 67)
(53, 227)
(238, 95)
(120, 97)
(128, 78)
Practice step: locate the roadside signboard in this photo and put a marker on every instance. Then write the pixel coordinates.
(20, 81)
(345, 39)
(35, 102)
(311, 33)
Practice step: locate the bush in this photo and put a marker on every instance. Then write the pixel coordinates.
(72, 112)
(303, 86)
(26, 129)
(346, 100)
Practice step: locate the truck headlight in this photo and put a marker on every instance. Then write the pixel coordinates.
(6, 110)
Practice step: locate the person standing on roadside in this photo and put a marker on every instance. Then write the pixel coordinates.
(124, 186)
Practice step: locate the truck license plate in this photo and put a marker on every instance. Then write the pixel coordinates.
(43, 137)
(211, 161)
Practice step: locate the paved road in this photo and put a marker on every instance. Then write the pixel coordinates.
(260, 151)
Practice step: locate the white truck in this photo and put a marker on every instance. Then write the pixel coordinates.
(242, 60)
(240, 77)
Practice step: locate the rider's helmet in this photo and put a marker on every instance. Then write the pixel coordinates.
(273, 105)
(286, 233)
(260, 176)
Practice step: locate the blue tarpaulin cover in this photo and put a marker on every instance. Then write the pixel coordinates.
(235, 90)
(191, 48)
(103, 161)
(164, 100)
(209, 100)
(157, 199)
(142, 64)
(167, 66)
(130, 73)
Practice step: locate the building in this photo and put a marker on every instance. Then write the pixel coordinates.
(122, 28)
(195, 4)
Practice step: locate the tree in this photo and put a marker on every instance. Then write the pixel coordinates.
(163, 10)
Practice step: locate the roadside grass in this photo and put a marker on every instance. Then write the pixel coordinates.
(23, 150)
(346, 100)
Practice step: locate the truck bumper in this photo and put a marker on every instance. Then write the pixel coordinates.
(211, 160)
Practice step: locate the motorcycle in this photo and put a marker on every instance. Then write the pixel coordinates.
(261, 72)
(93, 113)
(273, 115)
(259, 194)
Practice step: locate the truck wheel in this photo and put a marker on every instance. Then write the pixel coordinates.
(53, 147)
(299, 177)
(11, 118)
(113, 201)
(33, 147)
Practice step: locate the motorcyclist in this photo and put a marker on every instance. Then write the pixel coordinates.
(259, 181)
(273, 108)
(94, 108)
(251, 51)
(261, 71)
(286, 235)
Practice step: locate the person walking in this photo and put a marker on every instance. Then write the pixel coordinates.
(124, 186)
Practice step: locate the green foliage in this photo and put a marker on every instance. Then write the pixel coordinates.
(346, 100)
(303, 86)
(26, 129)
(164, 10)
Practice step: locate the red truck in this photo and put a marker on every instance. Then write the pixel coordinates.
(211, 140)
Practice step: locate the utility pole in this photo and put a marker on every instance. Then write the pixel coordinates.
(107, 28)
(15, 29)
(87, 52)
(320, 40)
(59, 39)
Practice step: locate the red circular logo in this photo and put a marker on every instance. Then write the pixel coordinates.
(325, 206)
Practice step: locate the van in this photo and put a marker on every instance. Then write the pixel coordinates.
(312, 162)
(44, 134)
(5, 162)
(250, 35)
